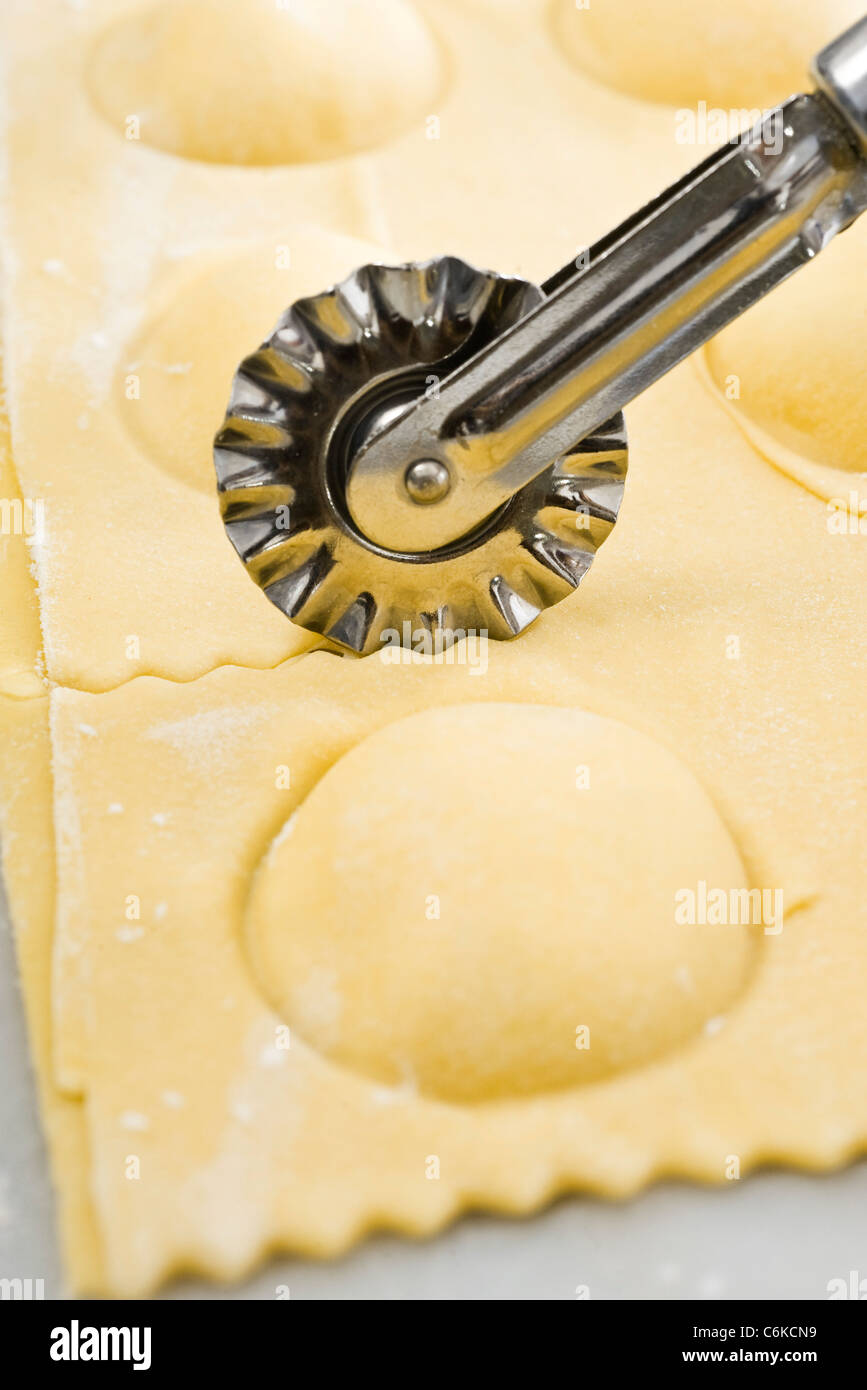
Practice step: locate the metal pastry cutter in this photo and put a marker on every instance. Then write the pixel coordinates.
(435, 445)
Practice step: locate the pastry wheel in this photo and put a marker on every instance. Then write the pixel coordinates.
(438, 449)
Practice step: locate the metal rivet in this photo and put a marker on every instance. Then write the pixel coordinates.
(427, 480)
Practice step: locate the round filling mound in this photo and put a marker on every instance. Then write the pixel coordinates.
(257, 82)
(491, 900)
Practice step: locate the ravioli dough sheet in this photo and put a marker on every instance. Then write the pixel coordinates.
(723, 625)
(135, 290)
(179, 1047)
(27, 843)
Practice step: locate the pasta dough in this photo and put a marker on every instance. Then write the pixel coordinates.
(251, 1028)
(734, 57)
(265, 83)
(791, 374)
(399, 916)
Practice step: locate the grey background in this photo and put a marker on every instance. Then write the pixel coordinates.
(774, 1235)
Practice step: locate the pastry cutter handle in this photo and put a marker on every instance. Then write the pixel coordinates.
(645, 296)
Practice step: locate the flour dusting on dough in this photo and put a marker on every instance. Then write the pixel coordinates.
(209, 739)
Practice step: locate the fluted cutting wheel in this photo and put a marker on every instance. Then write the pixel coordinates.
(337, 366)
